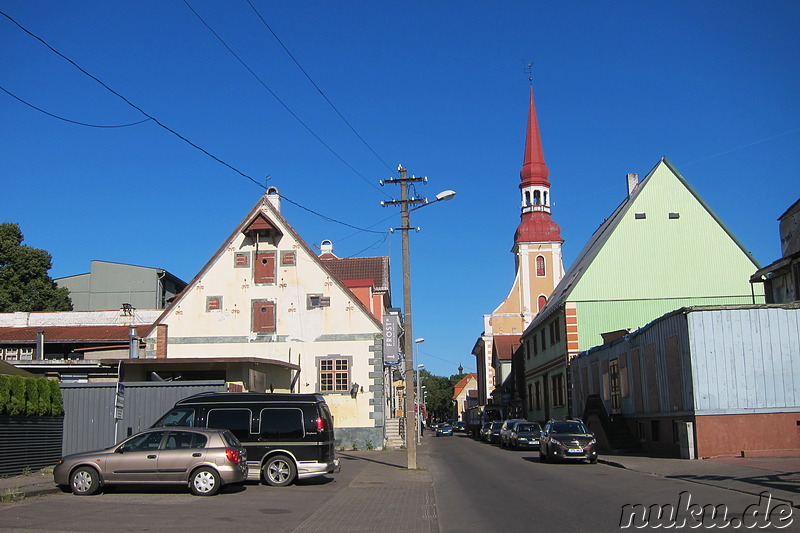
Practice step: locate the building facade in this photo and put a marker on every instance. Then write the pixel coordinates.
(700, 382)
(539, 266)
(266, 314)
(661, 249)
(781, 279)
(115, 285)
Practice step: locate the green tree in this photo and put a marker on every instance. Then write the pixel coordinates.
(31, 397)
(16, 403)
(24, 282)
(439, 394)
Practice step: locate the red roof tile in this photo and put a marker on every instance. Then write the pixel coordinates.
(66, 333)
(359, 268)
(505, 346)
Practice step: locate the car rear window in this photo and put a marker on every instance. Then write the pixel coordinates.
(231, 439)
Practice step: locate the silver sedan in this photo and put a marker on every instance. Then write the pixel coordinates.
(203, 459)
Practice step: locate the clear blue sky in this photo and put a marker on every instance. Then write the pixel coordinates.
(440, 87)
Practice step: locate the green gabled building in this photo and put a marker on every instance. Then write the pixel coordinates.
(662, 249)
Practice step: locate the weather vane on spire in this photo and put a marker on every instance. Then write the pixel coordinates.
(529, 72)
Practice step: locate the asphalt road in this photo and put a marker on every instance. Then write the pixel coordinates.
(482, 487)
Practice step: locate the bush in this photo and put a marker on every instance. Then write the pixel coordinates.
(16, 404)
(30, 396)
(56, 401)
(5, 392)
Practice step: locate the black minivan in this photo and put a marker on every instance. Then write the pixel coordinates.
(287, 436)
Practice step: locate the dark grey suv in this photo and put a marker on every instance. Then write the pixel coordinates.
(567, 439)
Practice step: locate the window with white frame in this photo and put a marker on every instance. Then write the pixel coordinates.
(334, 374)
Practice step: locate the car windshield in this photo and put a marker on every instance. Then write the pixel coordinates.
(569, 427)
(497, 425)
(527, 427)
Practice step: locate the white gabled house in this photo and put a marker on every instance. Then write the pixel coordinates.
(265, 314)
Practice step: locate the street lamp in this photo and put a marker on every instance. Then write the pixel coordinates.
(419, 406)
(404, 202)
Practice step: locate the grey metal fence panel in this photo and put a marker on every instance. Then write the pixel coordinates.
(89, 422)
(29, 443)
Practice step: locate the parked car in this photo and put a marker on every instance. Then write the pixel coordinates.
(203, 459)
(506, 429)
(287, 436)
(525, 435)
(494, 432)
(460, 426)
(486, 429)
(444, 430)
(567, 439)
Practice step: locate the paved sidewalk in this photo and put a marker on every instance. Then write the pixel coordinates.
(780, 476)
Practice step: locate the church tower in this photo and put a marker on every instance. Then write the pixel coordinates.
(539, 266)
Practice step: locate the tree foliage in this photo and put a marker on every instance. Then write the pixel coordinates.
(24, 282)
(439, 394)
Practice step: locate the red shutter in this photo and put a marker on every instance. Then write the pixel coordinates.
(263, 317)
(264, 268)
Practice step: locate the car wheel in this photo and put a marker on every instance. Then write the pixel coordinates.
(279, 471)
(593, 460)
(85, 481)
(205, 482)
(542, 456)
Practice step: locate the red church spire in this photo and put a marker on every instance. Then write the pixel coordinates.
(534, 171)
(535, 224)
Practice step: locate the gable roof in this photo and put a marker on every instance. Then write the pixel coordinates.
(359, 268)
(604, 232)
(463, 382)
(505, 346)
(257, 214)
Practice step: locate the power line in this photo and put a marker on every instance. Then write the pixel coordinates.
(12, 95)
(296, 62)
(150, 117)
(140, 110)
(286, 107)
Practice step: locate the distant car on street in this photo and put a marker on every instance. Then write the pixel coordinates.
(506, 429)
(204, 460)
(525, 435)
(460, 426)
(444, 430)
(486, 429)
(567, 439)
(494, 432)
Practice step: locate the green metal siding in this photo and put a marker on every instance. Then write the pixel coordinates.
(652, 265)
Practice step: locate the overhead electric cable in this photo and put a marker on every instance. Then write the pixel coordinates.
(286, 107)
(140, 110)
(150, 117)
(296, 62)
(12, 95)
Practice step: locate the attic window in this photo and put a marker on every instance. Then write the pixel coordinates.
(288, 258)
(315, 301)
(640, 216)
(674, 215)
(213, 303)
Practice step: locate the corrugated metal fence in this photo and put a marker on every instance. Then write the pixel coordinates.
(89, 408)
(29, 443)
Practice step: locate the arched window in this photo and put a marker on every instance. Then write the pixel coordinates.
(537, 198)
(542, 301)
(545, 198)
(540, 271)
(527, 198)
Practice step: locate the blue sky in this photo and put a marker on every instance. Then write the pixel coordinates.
(440, 87)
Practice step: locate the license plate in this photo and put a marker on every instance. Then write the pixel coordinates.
(575, 450)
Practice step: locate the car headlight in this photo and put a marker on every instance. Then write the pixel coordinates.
(557, 443)
(592, 442)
